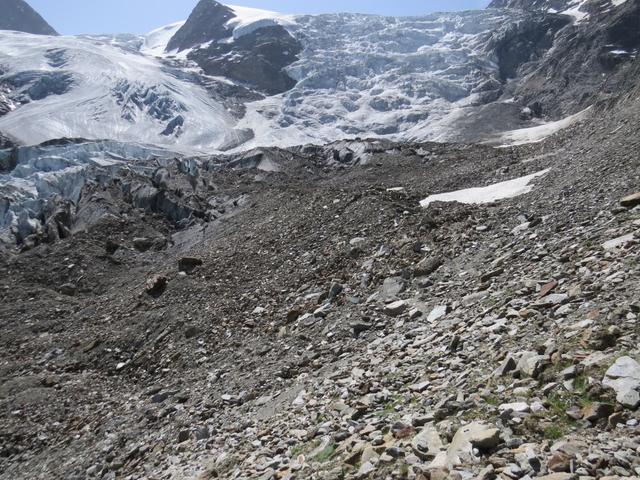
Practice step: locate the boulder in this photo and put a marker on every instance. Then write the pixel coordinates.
(396, 308)
(427, 266)
(437, 313)
(631, 201)
(475, 435)
(156, 285)
(427, 444)
(624, 378)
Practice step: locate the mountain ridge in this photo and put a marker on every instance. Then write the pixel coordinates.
(19, 16)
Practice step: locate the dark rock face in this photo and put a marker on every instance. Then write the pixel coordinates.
(589, 59)
(19, 16)
(524, 42)
(8, 158)
(207, 22)
(257, 59)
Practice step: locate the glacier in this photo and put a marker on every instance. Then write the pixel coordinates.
(113, 93)
(357, 76)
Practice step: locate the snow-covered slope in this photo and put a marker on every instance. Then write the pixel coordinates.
(248, 20)
(357, 75)
(240, 77)
(155, 42)
(368, 76)
(579, 10)
(89, 88)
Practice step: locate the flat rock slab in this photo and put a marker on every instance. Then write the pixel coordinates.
(396, 308)
(624, 378)
(437, 313)
(631, 200)
(618, 242)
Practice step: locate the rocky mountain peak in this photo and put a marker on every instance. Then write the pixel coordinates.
(19, 16)
(207, 22)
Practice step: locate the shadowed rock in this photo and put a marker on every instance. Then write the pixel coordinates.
(19, 16)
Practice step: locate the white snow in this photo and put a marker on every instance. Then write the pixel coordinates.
(378, 77)
(91, 110)
(359, 76)
(491, 193)
(156, 41)
(539, 133)
(617, 3)
(248, 20)
(576, 11)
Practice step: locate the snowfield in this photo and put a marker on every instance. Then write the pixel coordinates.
(488, 194)
(370, 76)
(103, 91)
(250, 19)
(358, 76)
(537, 134)
(156, 41)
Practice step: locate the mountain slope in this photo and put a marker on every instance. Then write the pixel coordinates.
(590, 58)
(236, 78)
(207, 22)
(314, 322)
(85, 87)
(19, 16)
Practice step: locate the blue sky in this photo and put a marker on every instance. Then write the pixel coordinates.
(141, 16)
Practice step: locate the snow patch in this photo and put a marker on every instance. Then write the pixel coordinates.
(576, 11)
(489, 194)
(156, 41)
(248, 20)
(537, 134)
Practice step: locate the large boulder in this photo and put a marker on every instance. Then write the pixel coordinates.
(624, 378)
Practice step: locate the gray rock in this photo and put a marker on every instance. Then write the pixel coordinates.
(508, 365)
(631, 200)
(518, 407)
(68, 289)
(475, 435)
(618, 242)
(188, 264)
(427, 444)
(437, 313)
(624, 378)
(552, 300)
(531, 364)
(391, 287)
(396, 308)
(427, 266)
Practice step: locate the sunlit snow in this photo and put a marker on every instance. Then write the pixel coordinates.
(248, 20)
(116, 94)
(156, 41)
(537, 134)
(488, 194)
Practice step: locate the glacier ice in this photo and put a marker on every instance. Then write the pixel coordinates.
(116, 93)
(357, 76)
(45, 172)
